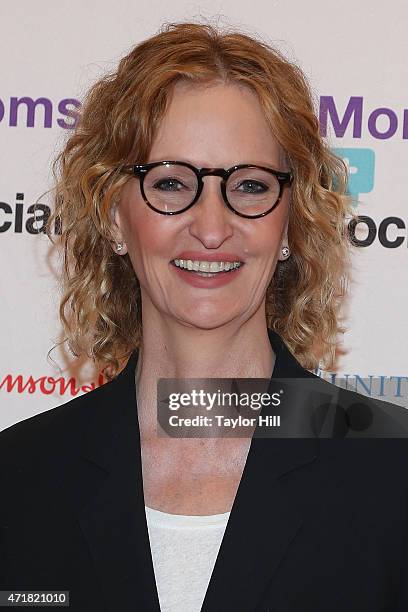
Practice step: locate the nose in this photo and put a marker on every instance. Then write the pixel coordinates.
(211, 218)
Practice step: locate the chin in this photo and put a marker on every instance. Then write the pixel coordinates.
(206, 321)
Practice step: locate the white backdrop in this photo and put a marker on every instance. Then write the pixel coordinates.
(355, 54)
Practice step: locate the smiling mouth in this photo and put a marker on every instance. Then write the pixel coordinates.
(207, 268)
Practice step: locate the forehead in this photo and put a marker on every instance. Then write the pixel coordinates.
(216, 124)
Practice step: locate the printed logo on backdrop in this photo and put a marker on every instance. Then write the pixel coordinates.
(392, 389)
(352, 119)
(28, 112)
(46, 385)
(390, 231)
(20, 218)
(361, 167)
(381, 123)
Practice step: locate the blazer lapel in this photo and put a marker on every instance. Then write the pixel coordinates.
(262, 524)
(263, 521)
(110, 506)
(106, 491)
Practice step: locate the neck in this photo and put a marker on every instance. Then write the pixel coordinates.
(171, 349)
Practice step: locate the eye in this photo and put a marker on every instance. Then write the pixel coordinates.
(169, 184)
(253, 186)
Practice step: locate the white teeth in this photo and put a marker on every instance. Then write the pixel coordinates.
(204, 266)
(207, 266)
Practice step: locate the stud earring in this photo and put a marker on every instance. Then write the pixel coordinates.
(119, 246)
(285, 251)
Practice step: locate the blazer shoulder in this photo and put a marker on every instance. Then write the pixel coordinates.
(32, 436)
(363, 415)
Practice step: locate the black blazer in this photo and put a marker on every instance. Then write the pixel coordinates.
(317, 525)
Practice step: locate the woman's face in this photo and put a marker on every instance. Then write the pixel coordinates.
(216, 126)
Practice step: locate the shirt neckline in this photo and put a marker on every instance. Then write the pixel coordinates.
(167, 519)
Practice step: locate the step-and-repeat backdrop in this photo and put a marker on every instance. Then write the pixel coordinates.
(354, 53)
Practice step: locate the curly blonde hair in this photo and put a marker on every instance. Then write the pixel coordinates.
(118, 121)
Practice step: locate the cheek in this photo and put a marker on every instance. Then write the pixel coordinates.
(139, 224)
(149, 234)
(271, 235)
(145, 238)
(267, 239)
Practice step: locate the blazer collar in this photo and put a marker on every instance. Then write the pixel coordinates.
(105, 490)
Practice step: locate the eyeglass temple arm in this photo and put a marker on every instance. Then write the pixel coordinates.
(129, 168)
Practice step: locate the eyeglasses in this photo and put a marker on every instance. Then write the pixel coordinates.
(172, 187)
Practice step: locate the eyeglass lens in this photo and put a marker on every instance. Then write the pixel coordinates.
(172, 187)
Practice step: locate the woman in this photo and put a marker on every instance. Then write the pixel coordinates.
(203, 222)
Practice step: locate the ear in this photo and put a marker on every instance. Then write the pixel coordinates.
(116, 231)
(284, 241)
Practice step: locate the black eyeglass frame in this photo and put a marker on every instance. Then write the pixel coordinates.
(141, 170)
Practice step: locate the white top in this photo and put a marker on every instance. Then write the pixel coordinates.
(184, 550)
